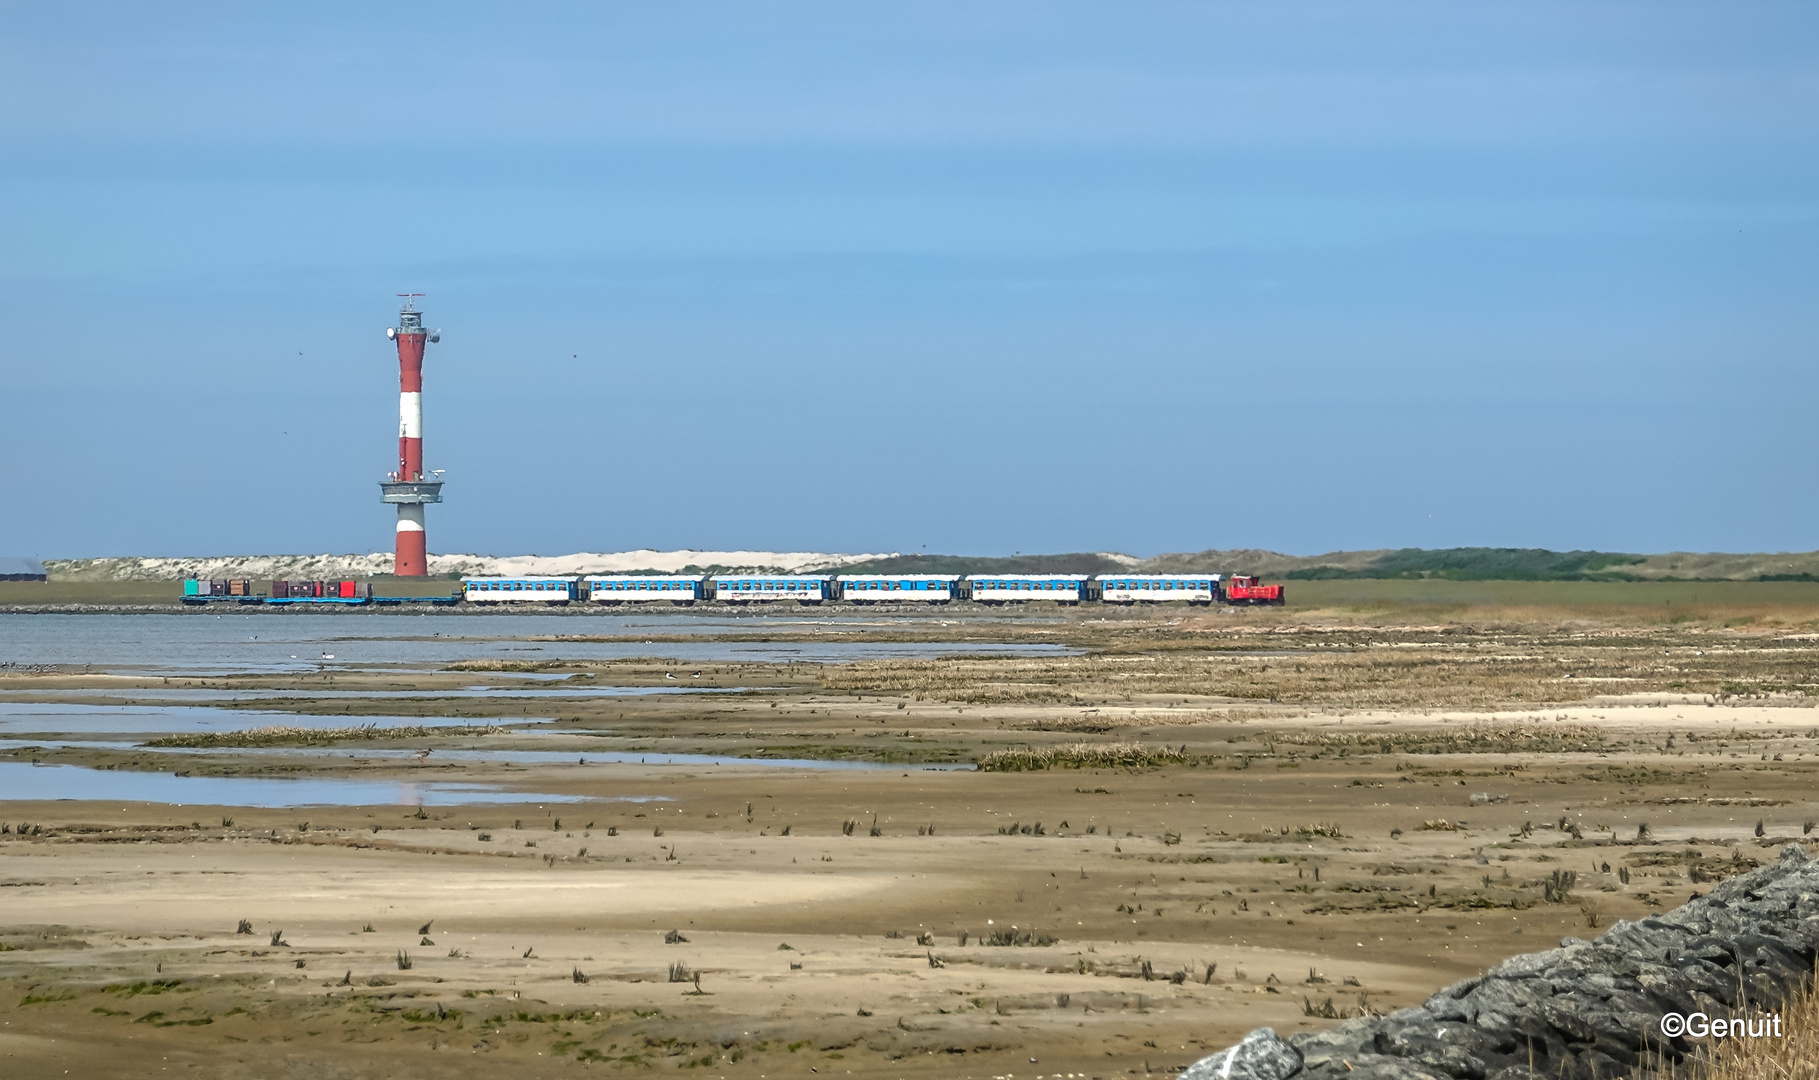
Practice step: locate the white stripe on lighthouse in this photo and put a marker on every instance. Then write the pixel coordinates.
(410, 517)
(410, 414)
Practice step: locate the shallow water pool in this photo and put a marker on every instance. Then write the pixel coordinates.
(21, 781)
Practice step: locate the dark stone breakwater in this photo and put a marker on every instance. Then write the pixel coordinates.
(1589, 1009)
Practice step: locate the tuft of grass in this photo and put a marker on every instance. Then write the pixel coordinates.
(1792, 1057)
(1014, 936)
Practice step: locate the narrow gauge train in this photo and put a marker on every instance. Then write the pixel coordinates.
(1194, 589)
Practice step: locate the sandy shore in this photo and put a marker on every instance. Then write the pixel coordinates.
(1299, 863)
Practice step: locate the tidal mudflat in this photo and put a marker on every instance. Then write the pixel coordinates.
(1107, 842)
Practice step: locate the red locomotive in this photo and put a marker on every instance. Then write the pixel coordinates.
(1245, 589)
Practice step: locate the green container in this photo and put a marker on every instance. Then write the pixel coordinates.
(189, 586)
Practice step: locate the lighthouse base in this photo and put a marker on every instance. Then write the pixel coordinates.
(412, 558)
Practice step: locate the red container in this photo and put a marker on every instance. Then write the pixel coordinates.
(281, 589)
(347, 590)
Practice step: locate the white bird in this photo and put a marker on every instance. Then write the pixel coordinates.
(328, 656)
(668, 676)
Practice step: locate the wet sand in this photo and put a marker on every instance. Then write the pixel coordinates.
(1308, 860)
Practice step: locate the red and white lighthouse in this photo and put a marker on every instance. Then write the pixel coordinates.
(409, 486)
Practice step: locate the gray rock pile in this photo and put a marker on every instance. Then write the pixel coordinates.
(1588, 1010)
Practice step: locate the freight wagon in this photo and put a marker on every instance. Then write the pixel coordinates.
(240, 590)
(320, 592)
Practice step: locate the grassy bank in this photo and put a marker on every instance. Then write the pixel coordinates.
(1693, 599)
(59, 593)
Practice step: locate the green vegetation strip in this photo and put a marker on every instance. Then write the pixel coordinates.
(301, 736)
(1125, 755)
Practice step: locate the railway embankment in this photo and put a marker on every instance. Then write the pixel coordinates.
(1586, 1009)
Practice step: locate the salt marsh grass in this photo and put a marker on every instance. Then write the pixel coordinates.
(280, 735)
(1120, 755)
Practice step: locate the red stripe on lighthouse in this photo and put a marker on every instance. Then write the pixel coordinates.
(410, 406)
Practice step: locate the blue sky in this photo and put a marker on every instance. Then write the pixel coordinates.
(982, 277)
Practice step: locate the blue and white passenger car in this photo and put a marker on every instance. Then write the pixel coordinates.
(644, 589)
(1200, 589)
(747, 588)
(519, 590)
(897, 588)
(1014, 588)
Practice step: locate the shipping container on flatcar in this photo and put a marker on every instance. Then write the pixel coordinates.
(898, 588)
(644, 589)
(518, 590)
(1200, 589)
(750, 588)
(1020, 588)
